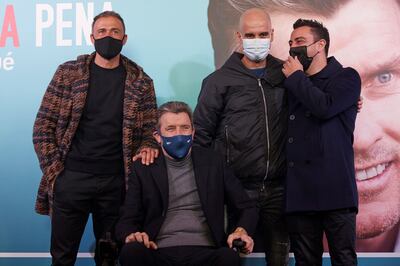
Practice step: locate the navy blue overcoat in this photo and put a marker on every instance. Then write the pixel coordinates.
(320, 156)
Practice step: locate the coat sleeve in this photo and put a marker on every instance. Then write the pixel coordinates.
(237, 198)
(207, 114)
(340, 94)
(44, 129)
(131, 213)
(148, 108)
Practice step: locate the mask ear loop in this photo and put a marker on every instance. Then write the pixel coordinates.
(313, 44)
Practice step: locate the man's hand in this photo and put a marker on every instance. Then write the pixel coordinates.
(291, 66)
(147, 155)
(240, 233)
(141, 237)
(360, 104)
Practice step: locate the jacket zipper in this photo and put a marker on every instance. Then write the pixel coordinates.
(227, 145)
(267, 129)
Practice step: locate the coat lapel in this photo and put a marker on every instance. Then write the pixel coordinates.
(131, 111)
(160, 176)
(79, 91)
(201, 175)
(80, 88)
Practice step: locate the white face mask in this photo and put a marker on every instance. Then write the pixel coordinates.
(256, 49)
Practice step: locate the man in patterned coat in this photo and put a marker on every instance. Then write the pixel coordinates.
(98, 112)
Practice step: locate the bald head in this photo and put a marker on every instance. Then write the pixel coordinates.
(254, 17)
(255, 36)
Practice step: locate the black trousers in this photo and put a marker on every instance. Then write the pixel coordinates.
(271, 205)
(76, 195)
(306, 234)
(136, 254)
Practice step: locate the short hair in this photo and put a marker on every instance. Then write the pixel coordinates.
(175, 107)
(317, 29)
(108, 13)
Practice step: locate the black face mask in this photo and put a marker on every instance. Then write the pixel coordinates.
(108, 47)
(301, 53)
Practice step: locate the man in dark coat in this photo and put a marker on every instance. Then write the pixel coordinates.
(321, 192)
(174, 208)
(242, 114)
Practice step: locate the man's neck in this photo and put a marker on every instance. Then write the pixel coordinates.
(384, 242)
(317, 65)
(105, 63)
(253, 65)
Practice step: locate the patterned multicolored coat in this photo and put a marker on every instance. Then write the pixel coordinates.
(62, 107)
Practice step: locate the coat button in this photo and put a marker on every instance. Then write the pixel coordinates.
(292, 117)
(290, 140)
(291, 164)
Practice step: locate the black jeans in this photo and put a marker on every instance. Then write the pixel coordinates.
(137, 254)
(306, 233)
(271, 204)
(76, 195)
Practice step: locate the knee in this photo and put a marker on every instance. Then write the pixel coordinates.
(227, 256)
(131, 253)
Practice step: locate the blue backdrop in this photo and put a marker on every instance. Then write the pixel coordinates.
(169, 39)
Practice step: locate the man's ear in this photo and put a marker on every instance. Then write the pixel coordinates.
(239, 36)
(321, 45)
(239, 42)
(157, 136)
(125, 39)
(92, 38)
